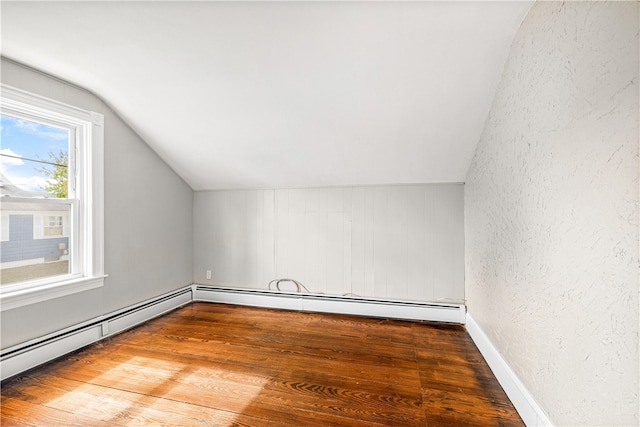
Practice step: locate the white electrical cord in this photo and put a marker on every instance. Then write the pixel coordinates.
(299, 286)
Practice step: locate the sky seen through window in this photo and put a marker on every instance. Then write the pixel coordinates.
(25, 139)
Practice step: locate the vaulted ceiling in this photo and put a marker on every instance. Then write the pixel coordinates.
(283, 94)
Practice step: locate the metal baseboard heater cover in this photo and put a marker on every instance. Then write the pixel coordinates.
(407, 310)
(25, 356)
(28, 355)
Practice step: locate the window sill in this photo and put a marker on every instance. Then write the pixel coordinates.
(20, 298)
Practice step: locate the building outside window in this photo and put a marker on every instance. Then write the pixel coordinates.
(53, 226)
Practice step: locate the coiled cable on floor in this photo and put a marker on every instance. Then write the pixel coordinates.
(299, 286)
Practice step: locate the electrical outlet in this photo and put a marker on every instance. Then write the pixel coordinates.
(208, 274)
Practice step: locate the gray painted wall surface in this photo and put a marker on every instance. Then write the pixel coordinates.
(551, 212)
(148, 222)
(403, 242)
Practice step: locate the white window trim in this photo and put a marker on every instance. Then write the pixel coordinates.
(4, 223)
(92, 194)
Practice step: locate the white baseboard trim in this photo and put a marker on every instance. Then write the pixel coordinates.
(529, 410)
(22, 357)
(30, 354)
(409, 310)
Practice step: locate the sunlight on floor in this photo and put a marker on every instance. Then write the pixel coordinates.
(237, 386)
(149, 382)
(139, 376)
(91, 401)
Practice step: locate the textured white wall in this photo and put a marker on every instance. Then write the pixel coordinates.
(390, 242)
(148, 222)
(551, 212)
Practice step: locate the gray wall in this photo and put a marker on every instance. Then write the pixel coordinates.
(390, 242)
(148, 222)
(551, 212)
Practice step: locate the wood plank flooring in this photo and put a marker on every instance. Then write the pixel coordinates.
(223, 365)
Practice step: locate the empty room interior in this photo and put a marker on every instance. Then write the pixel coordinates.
(320, 213)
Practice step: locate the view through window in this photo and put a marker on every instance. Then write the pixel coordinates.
(36, 236)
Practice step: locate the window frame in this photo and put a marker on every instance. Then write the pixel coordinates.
(86, 197)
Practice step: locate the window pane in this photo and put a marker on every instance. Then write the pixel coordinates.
(53, 226)
(33, 159)
(35, 240)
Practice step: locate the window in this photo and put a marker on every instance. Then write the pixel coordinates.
(53, 226)
(51, 197)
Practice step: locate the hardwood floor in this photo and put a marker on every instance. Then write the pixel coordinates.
(223, 365)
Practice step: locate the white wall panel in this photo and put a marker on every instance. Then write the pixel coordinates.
(312, 261)
(397, 255)
(358, 242)
(430, 243)
(380, 239)
(266, 257)
(335, 253)
(369, 253)
(282, 233)
(448, 268)
(392, 242)
(322, 240)
(417, 266)
(347, 232)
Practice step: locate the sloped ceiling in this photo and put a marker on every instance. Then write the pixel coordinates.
(283, 94)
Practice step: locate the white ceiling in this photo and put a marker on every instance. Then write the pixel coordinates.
(283, 94)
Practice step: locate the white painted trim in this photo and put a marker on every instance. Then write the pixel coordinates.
(529, 410)
(30, 354)
(87, 241)
(285, 187)
(136, 316)
(35, 352)
(54, 349)
(28, 103)
(38, 293)
(409, 310)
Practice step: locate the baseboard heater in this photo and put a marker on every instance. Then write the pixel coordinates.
(408, 310)
(22, 357)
